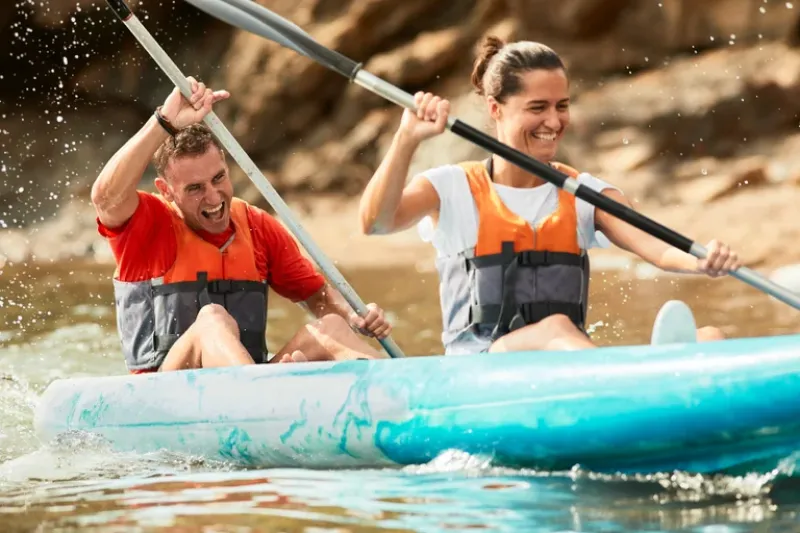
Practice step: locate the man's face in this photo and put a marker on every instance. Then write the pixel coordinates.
(201, 189)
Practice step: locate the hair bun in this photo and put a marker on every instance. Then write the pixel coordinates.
(487, 49)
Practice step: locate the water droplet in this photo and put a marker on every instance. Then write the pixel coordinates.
(59, 118)
(762, 9)
(704, 172)
(625, 141)
(789, 5)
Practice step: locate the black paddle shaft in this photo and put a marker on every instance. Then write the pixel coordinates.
(276, 26)
(252, 17)
(559, 179)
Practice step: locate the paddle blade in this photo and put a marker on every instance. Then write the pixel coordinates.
(257, 19)
(674, 324)
(120, 8)
(245, 21)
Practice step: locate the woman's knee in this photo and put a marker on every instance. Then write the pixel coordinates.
(538, 336)
(558, 323)
(710, 333)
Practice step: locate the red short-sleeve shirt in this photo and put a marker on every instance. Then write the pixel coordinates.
(144, 248)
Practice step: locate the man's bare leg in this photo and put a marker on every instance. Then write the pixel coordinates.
(556, 332)
(329, 338)
(212, 341)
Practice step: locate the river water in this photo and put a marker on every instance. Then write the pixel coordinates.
(58, 321)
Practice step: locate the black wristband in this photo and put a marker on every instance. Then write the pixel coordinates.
(165, 123)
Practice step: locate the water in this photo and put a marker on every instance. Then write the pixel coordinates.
(58, 321)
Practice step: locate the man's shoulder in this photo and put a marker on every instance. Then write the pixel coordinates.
(255, 214)
(152, 199)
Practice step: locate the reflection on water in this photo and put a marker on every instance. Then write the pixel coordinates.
(58, 320)
(39, 299)
(466, 498)
(453, 494)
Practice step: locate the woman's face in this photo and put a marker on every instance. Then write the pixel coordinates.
(533, 120)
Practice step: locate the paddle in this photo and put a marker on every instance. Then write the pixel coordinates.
(124, 13)
(259, 20)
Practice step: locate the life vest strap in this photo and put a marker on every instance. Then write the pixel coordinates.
(531, 313)
(530, 258)
(218, 286)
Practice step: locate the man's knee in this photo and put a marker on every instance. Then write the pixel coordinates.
(332, 325)
(214, 315)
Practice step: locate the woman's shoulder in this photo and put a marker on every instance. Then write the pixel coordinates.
(442, 171)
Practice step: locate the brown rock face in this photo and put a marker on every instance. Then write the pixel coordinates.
(658, 86)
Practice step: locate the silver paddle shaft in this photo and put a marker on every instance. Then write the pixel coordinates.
(249, 167)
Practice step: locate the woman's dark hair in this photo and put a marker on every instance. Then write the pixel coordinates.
(498, 66)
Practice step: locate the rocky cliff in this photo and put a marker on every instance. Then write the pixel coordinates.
(680, 102)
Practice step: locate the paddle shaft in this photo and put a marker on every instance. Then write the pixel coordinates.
(259, 20)
(163, 60)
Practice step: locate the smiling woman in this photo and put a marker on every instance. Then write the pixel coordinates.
(536, 123)
(511, 246)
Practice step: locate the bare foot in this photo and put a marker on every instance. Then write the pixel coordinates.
(295, 357)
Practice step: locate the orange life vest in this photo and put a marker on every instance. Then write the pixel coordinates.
(517, 273)
(152, 314)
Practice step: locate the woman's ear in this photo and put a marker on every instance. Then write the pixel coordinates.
(495, 109)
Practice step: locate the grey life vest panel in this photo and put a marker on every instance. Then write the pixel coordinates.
(152, 315)
(489, 296)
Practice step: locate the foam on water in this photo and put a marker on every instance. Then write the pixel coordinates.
(681, 486)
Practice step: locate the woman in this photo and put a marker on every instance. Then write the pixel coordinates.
(511, 247)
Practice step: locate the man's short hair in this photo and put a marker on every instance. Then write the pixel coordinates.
(191, 141)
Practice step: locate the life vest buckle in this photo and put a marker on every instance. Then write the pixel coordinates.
(220, 286)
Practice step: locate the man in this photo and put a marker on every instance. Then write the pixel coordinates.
(194, 262)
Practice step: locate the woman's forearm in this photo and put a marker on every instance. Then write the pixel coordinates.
(381, 198)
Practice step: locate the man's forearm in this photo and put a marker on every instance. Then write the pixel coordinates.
(327, 301)
(114, 192)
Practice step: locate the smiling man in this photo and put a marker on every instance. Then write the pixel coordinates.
(194, 262)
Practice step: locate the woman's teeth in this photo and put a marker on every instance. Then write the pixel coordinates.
(545, 136)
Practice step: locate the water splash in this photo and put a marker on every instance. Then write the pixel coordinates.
(17, 402)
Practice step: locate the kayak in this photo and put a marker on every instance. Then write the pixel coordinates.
(720, 407)
(725, 406)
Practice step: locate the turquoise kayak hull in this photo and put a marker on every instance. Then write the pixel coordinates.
(721, 407)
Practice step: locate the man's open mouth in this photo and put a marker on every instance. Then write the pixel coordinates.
(215, 213)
